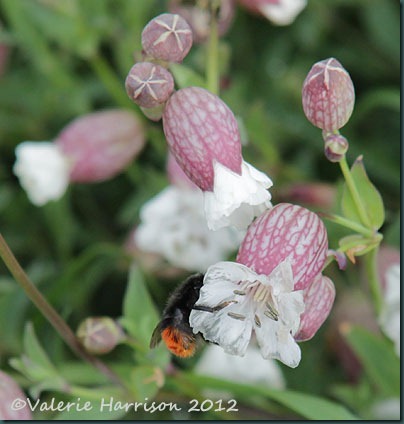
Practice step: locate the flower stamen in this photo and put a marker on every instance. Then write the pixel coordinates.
(236, 316)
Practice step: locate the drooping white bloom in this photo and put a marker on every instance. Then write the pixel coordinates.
(43, 171)
(279, 12)
(173, 225)
(390, 317)
(236, 199)
(235, 301)
(249, 369)
(203, 135)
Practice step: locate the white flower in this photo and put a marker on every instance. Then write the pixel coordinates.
(390, 316)
(173, 225)
(236, 199)
(249, 369)
(387, 409)
(234, 301)
(43, 171)
(283, 12)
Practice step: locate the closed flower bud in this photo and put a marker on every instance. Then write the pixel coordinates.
(203, 135)
(100, 145)
(100, 335)
(167, 37)
(328, 95)
(279, 12)
(335, 146)
(148, 84)
(286, 231)
(176, 175)
(13, 405)
(318, 300)
(198, 17)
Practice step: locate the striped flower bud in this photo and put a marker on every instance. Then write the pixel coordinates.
(101, 144)
(100, 335)
(286, 232)
(328, 95)
(318, 300)
(167, 37)
(13, 404)
(148, 84)
(335, 146)
(203, 135)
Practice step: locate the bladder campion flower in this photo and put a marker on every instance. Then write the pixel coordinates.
(279, 12)
(148, 84)
(282, 253)
(328, 95)
(10, 394)
(93, 147)
(203, 135)
(167, 37)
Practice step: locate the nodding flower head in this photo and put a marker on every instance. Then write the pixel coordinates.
(148, 84)
(328, 95)
(167, 37)
(286, 232)
(203, 135)
(276, 289)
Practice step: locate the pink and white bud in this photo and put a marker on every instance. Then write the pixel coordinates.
(335, 146)
(99, 145)
(286, 232)
(13, 404)
(167, 37)
(279, 12)
(318, 300)
(100, 335)
(328, 95)
(198, 17)
(203, 135)
(148, 84)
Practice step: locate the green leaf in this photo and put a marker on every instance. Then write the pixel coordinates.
(186, 77)
(308, 406)
(378, 359)
(371, 199)
(139, 313)
(146, 380)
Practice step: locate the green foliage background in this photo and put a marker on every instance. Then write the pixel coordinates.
(70, 57)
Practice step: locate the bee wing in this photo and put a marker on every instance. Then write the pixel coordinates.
(156, 336)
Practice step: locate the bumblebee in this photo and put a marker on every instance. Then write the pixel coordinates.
(174, 328)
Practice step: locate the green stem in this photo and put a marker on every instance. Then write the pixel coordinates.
(115, 87)
(348, 224)
(354, 192)
(212, 62)
(375, 287)
(50, 313)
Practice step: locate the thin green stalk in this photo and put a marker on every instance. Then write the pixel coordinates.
(115, 87)
(212, 62)
(354, 192)
(349, 224)
(50, 313)
(375, 287)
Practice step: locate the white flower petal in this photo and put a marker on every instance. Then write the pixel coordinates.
(281, 278)
(390, 316)
(173, 225)
(283, 12)
(233, 335)
(250, 369)
(276, 342)
(43, 171)
(236, 199)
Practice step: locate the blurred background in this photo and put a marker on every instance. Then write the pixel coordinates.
(60, 59)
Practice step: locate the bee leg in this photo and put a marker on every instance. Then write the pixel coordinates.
(216, 308)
